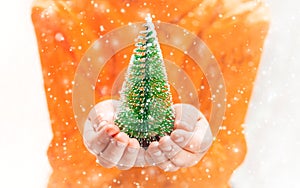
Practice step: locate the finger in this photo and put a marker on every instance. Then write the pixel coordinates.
(195, 142)
(130, 154)
(168, 166)
(155, 156)
(114, 151)
(99, 125)
(89, 137)
(96, 142)
(103, 111)
(140, 160)
(186, 116)
(88, 132)
(101, 141)
(168, 147)
(104, 162)
(186, 159)
(149, 159)
(158, 159)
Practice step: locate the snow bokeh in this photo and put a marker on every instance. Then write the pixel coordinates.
(272, 124)
(271, 127)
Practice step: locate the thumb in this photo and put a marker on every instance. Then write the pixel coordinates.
(103, 111)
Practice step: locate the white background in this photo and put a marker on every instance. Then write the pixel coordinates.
(272, 124)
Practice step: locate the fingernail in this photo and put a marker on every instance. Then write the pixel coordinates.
(121, 144)
(155, 144)
(158, 153)
(168, 148)
(132, 149)
(179, 139)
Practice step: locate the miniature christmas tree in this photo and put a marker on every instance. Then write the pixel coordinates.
(146, 112)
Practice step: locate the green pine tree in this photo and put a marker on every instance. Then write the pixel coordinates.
(146, 112)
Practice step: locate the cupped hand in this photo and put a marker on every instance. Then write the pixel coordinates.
(104, 139)
(186, 145)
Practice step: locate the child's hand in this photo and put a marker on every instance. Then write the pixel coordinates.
(186, 145)
(104, 139)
